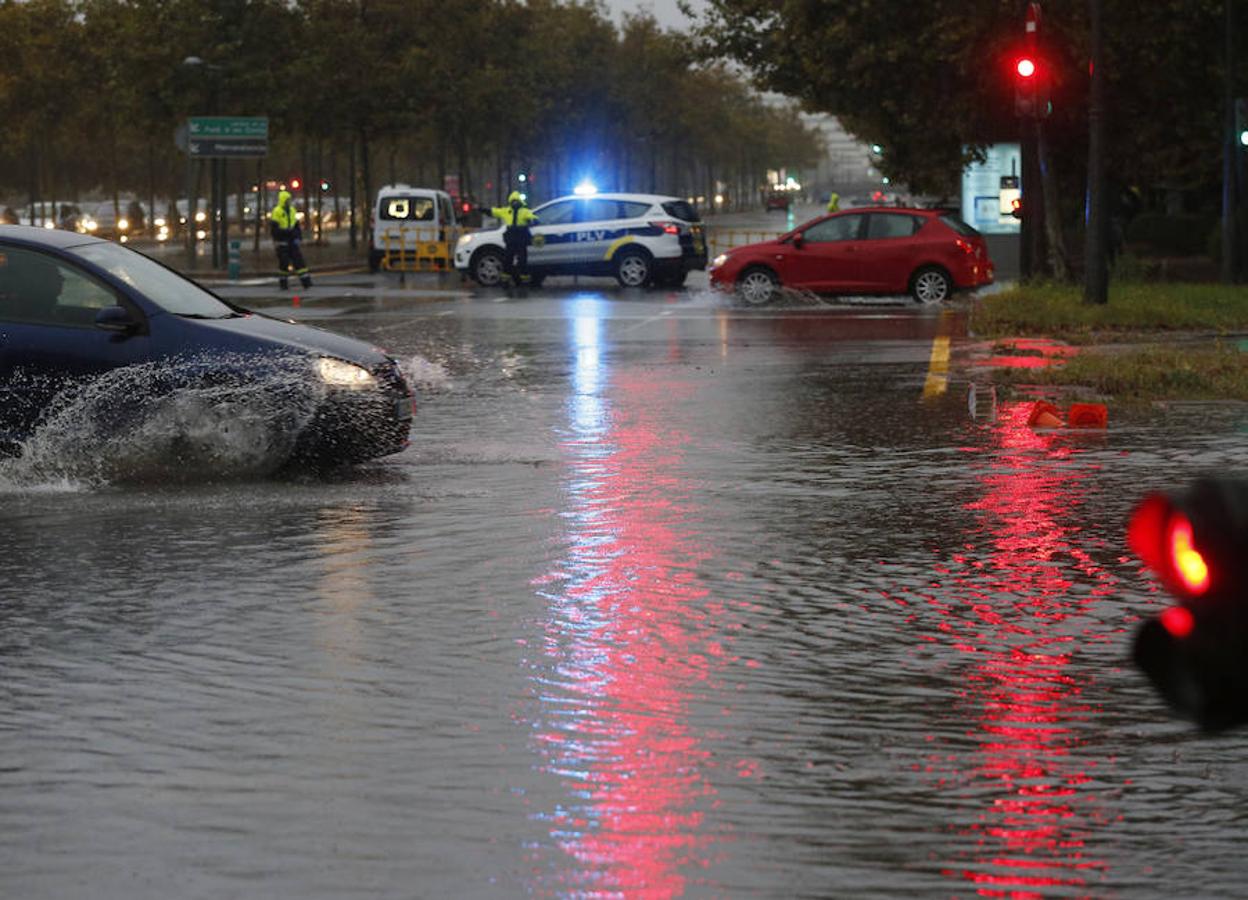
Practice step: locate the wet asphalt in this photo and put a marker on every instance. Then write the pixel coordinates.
(666, 597)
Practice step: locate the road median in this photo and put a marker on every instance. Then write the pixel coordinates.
(1151, 342)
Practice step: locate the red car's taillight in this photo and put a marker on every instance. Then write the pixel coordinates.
(965, 246)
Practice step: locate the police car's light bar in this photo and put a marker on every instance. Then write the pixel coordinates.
(585, 189)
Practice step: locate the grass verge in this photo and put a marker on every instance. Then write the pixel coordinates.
(1058, 311)
(1137, 375)
(1142, 314)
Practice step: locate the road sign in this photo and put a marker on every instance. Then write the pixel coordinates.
(232, 127)
(225, 136)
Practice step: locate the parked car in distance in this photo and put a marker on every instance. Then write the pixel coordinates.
(925, 253)
(778, 200)
(102, 221)
(74, 308)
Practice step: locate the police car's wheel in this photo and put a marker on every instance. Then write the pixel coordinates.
(931, 285)
(757, 286)
(633, 268)
(487, 268)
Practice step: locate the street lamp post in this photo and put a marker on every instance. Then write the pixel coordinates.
(218, 224)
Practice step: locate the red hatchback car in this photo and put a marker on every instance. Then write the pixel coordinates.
(926, 253)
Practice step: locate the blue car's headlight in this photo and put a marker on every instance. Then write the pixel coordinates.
(338, 373)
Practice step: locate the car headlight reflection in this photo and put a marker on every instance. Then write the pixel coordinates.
(344, 374)
(464, 240)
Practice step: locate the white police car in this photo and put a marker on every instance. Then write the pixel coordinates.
(641, 239)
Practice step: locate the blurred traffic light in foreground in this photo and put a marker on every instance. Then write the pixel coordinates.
(1196, 652)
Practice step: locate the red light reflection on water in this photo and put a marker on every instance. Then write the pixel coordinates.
(1030, 769)
(627, 641)
(1029, 353)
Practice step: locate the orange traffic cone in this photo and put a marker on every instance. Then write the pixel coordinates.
(1044, 415)
(1087, 415)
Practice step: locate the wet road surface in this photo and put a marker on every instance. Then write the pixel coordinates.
(666, 597)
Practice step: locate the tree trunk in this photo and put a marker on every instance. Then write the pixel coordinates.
(1096, 273)
(1059, 264)
(366, 175)
(320, 195)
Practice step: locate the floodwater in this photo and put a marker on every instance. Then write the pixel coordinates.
(665, 598)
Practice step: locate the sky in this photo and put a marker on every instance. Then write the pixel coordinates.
(665, 11)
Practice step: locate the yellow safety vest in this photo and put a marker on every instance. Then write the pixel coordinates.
(286, 217)
(521, 216)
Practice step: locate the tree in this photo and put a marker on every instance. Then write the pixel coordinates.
(931, 80)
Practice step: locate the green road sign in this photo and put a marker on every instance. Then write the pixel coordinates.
(224, 136)
(254, 127)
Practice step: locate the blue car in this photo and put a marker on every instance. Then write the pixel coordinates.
(93, 332)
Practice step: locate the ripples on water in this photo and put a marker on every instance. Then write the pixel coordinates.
(629, 619)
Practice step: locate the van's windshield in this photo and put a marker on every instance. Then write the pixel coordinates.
(407, 209)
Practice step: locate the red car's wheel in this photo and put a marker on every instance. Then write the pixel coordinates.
(931, 285)
(757, 285)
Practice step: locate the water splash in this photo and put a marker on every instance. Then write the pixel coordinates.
(186, 419)
(425, 374)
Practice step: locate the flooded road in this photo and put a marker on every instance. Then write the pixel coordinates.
(666, 598)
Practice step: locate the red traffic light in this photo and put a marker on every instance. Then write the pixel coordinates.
(1196, 540)
(295, 184)
(1031, 78)
(1186, 562)
(1195, 653)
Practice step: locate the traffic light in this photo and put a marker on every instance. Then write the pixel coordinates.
(1241, 122)
(1196, 653)
(324, 185)
(1031, 87)
(295, 184)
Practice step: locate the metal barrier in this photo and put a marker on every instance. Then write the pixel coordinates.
(721, 240)
(419, 249)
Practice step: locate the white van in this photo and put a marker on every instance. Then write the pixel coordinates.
(411, 224)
